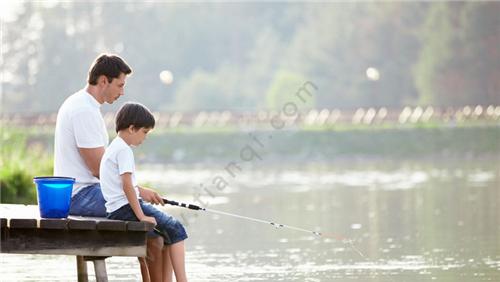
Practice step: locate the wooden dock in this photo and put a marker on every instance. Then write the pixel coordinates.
(89, 239)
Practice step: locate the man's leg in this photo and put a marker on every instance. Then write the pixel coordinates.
(144, 269)
(88, 202)
(154, 258)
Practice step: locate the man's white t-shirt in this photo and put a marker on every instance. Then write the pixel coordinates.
(117, 160)
(79, 125)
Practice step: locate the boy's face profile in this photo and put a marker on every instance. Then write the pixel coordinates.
(137, 135)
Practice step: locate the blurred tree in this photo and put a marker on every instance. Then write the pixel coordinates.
(66, 52)
(20, 42)
(437, 37)
(283, 90)
(481, 53)
(459, 63)
(230, 55)
(338, 43)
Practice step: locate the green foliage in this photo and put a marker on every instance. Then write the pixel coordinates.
(459, 60)
(438, 37)
(16, 186)
(283, 90)
(20, 162)
(206, 90)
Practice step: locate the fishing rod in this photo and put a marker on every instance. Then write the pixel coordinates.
(277, 225)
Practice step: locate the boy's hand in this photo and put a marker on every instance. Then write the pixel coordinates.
(150, 196)
(148, 219)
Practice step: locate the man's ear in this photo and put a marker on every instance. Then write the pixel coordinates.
(102, 80)
(131, 128)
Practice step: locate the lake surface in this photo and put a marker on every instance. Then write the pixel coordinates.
(383, 221)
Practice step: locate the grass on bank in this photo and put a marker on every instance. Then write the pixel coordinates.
(20, 162)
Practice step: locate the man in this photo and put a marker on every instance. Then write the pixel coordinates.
(80, 140)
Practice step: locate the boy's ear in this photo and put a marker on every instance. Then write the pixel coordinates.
(131, 128)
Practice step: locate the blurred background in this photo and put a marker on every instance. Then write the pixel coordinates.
(389, 130)
(240, 56)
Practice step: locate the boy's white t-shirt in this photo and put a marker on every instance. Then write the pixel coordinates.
(79, 125)
(117, 160)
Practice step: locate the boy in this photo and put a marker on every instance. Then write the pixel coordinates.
(120, 189)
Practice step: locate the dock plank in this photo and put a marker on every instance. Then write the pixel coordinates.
(49, 223)
(25, 223)
(83, 224)
(139, 226)
(111, 225)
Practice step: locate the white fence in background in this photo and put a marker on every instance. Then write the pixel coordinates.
(314, 117)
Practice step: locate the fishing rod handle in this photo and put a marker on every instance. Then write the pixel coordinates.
(188, 206)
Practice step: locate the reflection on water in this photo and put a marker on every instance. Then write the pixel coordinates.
(425, 222)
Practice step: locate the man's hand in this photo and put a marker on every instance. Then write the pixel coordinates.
(150, 196)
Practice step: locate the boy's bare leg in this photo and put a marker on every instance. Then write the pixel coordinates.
(167, 265)
(144, 269)
(154, 258)
(177, 255)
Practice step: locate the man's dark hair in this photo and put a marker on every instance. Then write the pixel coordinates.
(135, 114)
(108, 65)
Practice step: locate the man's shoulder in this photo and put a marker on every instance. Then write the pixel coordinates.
(78, 102)
(77, 106)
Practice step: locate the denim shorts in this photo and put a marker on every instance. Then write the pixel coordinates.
(88, 202)
(167, 226)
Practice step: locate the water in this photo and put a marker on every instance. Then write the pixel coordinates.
(419, 221)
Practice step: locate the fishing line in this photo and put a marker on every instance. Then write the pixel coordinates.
(277, 225)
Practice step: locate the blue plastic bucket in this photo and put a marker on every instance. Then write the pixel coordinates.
(54, 195)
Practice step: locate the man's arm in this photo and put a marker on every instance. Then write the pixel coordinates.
(92, 158)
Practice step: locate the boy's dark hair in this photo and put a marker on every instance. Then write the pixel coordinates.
(135, 114)
(108, 65)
